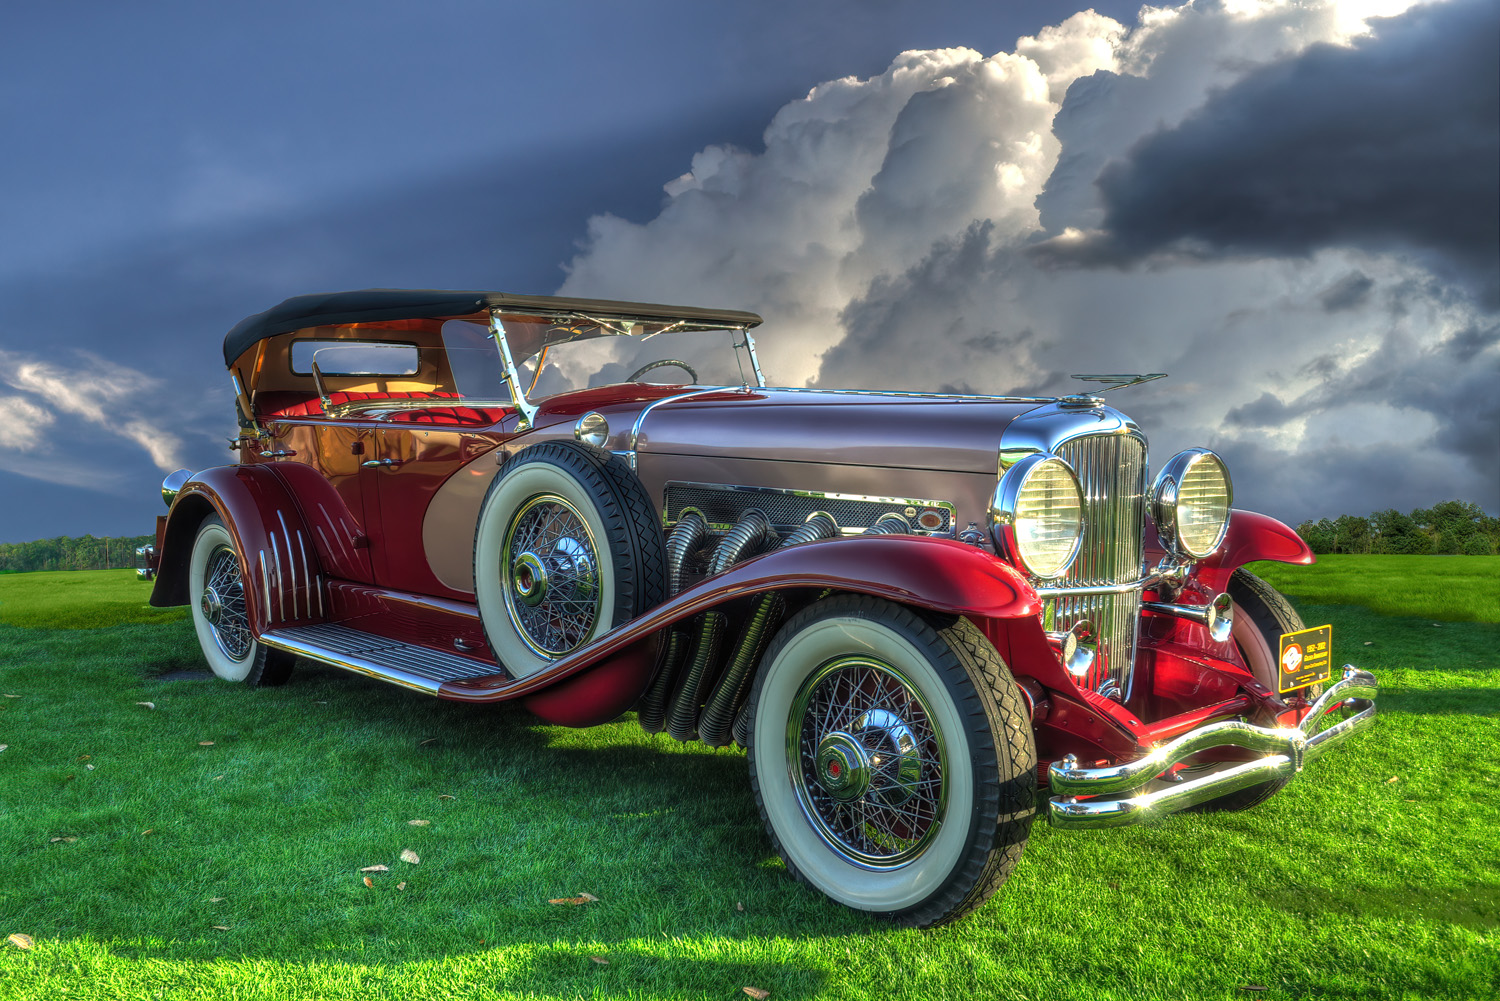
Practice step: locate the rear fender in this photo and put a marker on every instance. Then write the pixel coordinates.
(284, 578)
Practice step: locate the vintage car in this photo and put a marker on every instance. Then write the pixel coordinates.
(912, 610)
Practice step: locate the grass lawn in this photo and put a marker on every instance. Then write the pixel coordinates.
(1447, 588)
(231, 869)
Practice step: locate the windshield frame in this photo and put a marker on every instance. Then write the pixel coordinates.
(643, 328)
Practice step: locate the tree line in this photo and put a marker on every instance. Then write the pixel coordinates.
(63, 553)
(1450, 528)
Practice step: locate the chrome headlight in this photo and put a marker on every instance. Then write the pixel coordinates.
(1037, 515)
(1190, 503)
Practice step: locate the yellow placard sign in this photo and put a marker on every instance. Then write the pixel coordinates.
(1306, 657)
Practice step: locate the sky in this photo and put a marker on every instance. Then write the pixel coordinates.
(1291, 207)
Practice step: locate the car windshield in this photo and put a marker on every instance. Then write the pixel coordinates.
(556, 356)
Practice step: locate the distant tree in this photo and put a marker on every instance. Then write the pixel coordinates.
(1398, 533)
(1352, 534)
(64, 553)
(1319, 535)
(1479, 544)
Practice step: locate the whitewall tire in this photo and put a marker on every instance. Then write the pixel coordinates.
(216, 594)
(892, 759)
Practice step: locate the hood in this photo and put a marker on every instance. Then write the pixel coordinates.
(910, 431)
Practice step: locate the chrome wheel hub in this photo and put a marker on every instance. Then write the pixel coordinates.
(529, 578)
(550, 568)
(212, 607)
(868, 763)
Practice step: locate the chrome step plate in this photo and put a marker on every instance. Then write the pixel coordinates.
(406, 664)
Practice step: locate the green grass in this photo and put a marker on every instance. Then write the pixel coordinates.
(78, 599)
(1344, 885)
(1448, 588)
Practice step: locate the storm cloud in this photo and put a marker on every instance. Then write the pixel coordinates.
(1391, 142)
(1290, 208)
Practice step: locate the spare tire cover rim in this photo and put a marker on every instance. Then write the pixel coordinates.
(549, 568)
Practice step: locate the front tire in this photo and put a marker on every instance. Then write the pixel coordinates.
(1261, 615)
(892, 761)
(216, 592)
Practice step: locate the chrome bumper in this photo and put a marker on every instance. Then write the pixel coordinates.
(1120, 794)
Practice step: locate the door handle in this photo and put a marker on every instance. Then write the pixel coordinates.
(382, 462)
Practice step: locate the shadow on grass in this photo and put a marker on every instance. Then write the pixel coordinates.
(1474, 905)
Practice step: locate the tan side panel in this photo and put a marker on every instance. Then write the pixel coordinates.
(448, 526)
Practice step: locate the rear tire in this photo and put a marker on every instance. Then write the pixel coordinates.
(216, 594)
(893, 761)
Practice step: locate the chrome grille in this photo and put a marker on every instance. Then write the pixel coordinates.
(1112, 473)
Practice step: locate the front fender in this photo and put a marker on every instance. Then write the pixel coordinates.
(283, 577)
(1252, 537)
(940, 575)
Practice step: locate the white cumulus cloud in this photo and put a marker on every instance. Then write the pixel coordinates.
(939, 226)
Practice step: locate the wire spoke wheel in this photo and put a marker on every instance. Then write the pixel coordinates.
(223, 603)
(550, 566)
(870, 764)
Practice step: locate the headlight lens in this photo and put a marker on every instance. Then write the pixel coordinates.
(1037, 515)
(1190, 502)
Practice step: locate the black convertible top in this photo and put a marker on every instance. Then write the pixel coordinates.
(374, 304)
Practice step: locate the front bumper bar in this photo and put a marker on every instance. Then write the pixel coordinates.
(1118, 794)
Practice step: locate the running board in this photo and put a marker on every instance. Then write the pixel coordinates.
(380, 657)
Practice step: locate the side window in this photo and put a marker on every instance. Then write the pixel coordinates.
(474, 361)
(339, 357)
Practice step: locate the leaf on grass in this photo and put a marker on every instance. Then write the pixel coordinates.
(89, 767)
(589, 897)
(419, 823)
(217, 777)
(221, 927)
(66, 837)
(1369, 642)
(217, 900)
(757, 993)
(148, 705)
(149, 830)
(440, 795)
(407, 855)
(21, 941)
(1393, 778)
(739, 906)
(572, 901)
(369, 882)
(83, 757)
(205, 743)
(12, 696)
(3, 746)
(600, 960)
(375, 868)
(429, 740)
(401, 885)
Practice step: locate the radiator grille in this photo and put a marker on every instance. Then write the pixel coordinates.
(1112, 472)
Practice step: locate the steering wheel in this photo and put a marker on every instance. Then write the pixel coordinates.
(635, 376)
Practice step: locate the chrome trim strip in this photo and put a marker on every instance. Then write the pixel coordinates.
(1126, 588)
(760, 377)
(307, 577)
(640, 418)
(820, 495)
(280, 584)
(1285, 750)
(350, 662)
(291, 565)
(898, 394)
(265, 583)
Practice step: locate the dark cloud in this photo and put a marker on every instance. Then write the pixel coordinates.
(1392, 142)
(1348, 292)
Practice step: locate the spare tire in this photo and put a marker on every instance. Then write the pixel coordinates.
(567, 547)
